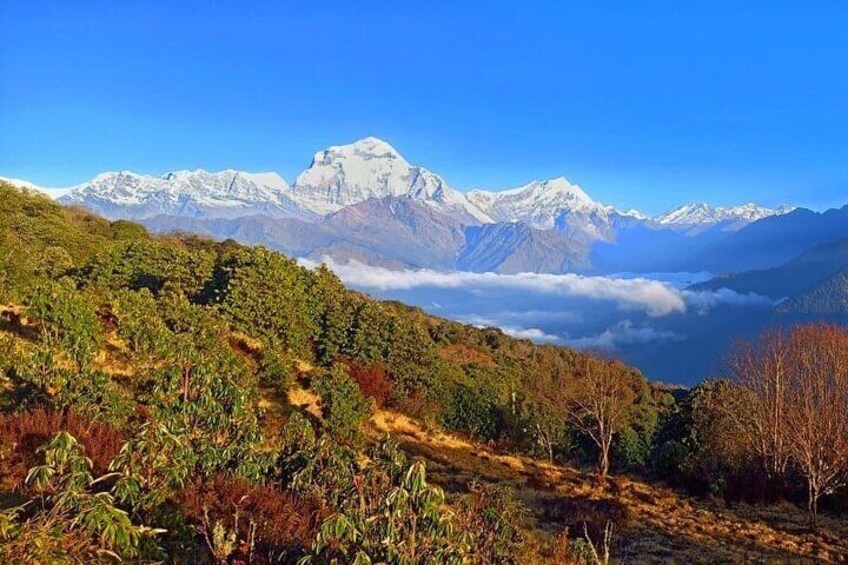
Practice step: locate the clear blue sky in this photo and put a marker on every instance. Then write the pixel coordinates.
(645, 104)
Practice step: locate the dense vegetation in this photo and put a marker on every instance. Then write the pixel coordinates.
(134, 369)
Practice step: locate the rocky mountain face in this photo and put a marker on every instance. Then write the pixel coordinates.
(365, 201)
(514, 247)
(396, 232)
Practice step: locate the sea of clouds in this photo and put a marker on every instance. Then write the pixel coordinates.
(654, 297)
(653, 320)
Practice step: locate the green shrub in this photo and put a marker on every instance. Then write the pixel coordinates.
(407, 522)
(72, 520)
(343, 407)
(631, 450)
(473, 410)
(266, 295)
(277, 370)
(139, 322)
(315, 466)
(67, 321)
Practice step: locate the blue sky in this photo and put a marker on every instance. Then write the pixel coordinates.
(645, 104)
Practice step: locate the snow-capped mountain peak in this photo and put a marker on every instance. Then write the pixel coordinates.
(270, 179)
(197, 193)
(701, 213)
(371, 168)
(537, 203)
(343, 175)
(367, 147)
(634, 213)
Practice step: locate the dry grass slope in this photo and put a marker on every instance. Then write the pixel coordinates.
(653, 524)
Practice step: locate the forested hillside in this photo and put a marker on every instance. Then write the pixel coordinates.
(149, 414)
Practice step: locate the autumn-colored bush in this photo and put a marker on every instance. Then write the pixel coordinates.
(494, 515)
(22, 433)
(373, 381)
(274, 521)
(463, 355)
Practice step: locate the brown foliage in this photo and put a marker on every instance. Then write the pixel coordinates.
(798, 384)
(817, 423)
(264, 518)
(373, 381)
(463, 355)
(37, 540)
(495, 516)
(22, 433)
(600, 404)
(762, 368)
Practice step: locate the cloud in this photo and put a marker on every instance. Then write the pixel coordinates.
(655, 298)
(678, 279)
(703, 301)
(533, 334)
(623, 333)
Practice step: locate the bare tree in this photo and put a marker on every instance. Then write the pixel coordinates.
(762, 367)
(600, 405)
(817, 416)
(797, 385)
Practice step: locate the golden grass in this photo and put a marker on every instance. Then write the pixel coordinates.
(655, 524)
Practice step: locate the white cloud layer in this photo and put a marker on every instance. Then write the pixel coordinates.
(533, 334)
(623, 333)
(536, 335)
(653, 297)
(703, 301)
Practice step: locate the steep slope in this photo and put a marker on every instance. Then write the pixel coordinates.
(827, 298)
(655, 524)
(395, 229)
(770, 242)
(197, 193)
(513, 247)
(798, 275)
(394, 232)
(344, 175)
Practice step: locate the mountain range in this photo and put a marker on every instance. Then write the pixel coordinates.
(365, 201)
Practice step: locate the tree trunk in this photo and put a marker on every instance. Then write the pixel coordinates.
(813, 505)
(603, 463)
